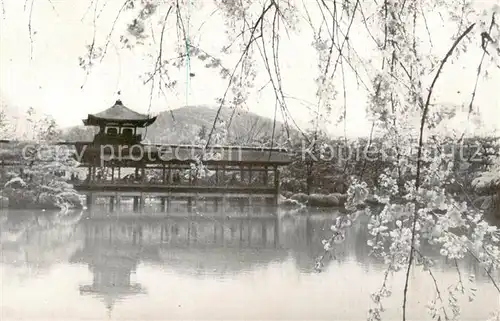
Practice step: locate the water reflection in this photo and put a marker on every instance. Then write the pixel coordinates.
(112, 259)
(129, 264)
(33, 242)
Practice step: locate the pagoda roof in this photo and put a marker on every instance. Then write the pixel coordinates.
(110, 295)
(119, 114)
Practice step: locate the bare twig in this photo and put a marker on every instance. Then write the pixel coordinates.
(87, 10)
(3, 8)
(30, 28)
(436, 286)
(485, 270)
(108, 38)
(92, 45)
(479, 67)
(244, 53)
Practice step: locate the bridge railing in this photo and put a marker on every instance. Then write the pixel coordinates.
(203, 182)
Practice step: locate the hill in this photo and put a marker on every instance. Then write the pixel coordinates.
(184, 125)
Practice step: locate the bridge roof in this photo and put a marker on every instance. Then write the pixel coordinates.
(185, 154)
(119, 114)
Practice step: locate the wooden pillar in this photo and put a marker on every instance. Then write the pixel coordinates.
(277, 232)
(143, 173)
(136, 203)
(241, 203)
(111, 203)
(223, 203)
(142, 203)
(118, 201)
(169, 177)
(264, 233)
(163, 209)
(163, 178)
(250, 203)
(241, 231)
(119, 173)
(90, 200)
(266, 175)
(223, 175)
(89, 178)
(216, 176)
(249, 232)
(250, 172)
(496, 203)
(242, 175)
(276, 183)
(112, 173)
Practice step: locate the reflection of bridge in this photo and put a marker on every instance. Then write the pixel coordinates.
(180, 231)
(114, 247)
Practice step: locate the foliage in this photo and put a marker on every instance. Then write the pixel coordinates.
(3, 120)
(40, 179)
(491, 176)
(41, 127)
(337, 160)
(6, 126)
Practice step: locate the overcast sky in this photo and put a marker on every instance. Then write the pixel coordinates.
(51, 80)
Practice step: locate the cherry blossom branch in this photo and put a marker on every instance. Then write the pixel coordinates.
(419, 160)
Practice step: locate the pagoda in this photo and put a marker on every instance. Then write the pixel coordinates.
(118, 125)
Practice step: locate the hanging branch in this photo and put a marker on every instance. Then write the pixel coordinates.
(30, 28)
(419, 160)
(252, 39)
(479, 68)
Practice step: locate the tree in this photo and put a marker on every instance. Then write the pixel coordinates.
(3, 120)
(6, 127)
(202, 134)
(44, 168)
(398, 61)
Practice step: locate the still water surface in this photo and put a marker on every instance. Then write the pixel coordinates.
(202, 267)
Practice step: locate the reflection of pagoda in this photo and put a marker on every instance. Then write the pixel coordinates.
(111, 279)
(112, 260)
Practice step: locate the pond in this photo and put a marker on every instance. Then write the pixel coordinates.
(126, 267)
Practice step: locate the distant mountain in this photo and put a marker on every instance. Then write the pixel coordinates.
(185, 124)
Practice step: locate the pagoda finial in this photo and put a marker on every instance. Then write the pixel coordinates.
(109, 310)
(118, 100)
